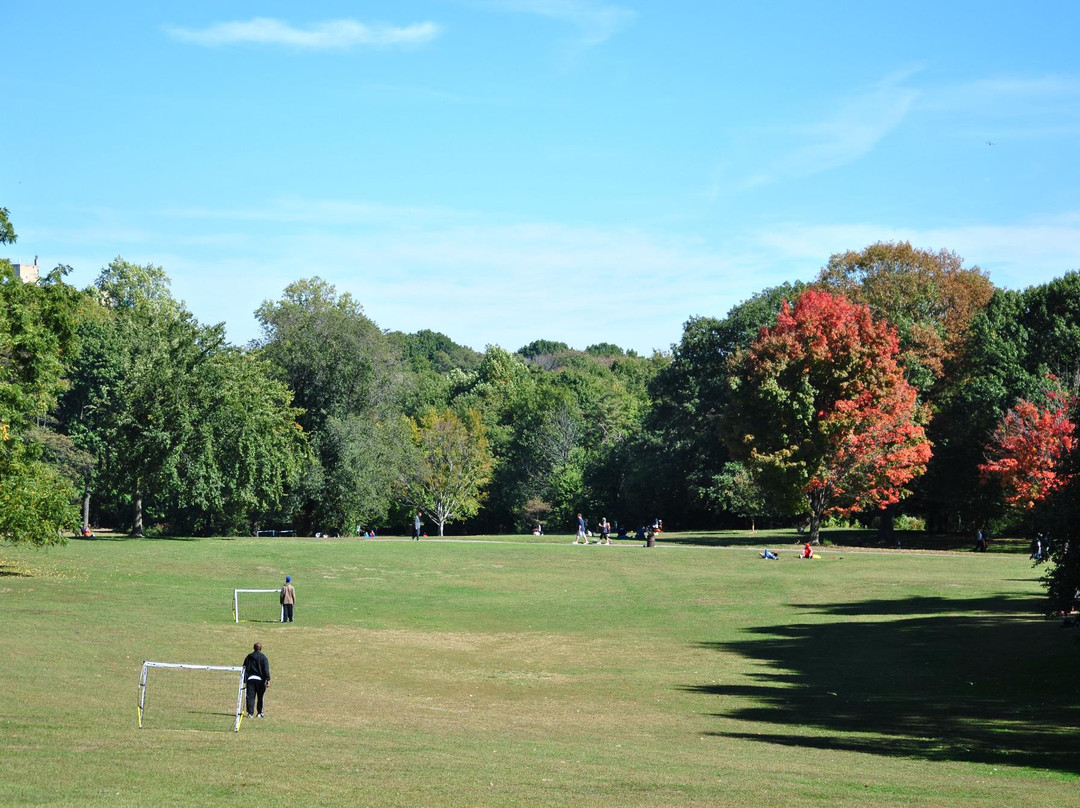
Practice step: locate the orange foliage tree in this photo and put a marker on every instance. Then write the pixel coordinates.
(930, 297)
(1025, 451)
(822, 412)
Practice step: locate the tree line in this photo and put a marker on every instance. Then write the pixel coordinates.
(898, 384)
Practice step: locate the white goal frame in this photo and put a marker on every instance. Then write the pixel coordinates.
(146, 666)
(236, 602)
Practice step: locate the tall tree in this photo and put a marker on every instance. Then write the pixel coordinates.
(681, 451)
(188, 430)
(347, 380)
(929, 297)
(822, 413)
(37, 337)
(449, 466)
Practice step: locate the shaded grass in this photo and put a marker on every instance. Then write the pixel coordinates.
(531, 672)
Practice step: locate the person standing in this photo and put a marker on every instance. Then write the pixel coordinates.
(605, 531)
(288, 600)
(256, 679)
(581, 532)
(417, 526)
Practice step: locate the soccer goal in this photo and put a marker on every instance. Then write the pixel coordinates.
(258, 605)
(191, 696)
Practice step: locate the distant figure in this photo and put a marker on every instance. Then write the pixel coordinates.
(769, 555)
(640, 533)
(1037, 548)
(582, 533)
(417, 526)
(605, 531)
(256, 679)
(538, 530)
(288, 600)
(87, 532)
(980, 541)
(807, 551)
(622, 533)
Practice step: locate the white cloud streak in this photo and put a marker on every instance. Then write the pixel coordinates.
(481, 280)
(595, 23)
(330, 35)
(853, 130)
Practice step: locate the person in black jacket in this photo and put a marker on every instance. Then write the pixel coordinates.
(256, 678)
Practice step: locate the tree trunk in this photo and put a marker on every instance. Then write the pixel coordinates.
(885, 525)
(753, 525)
(818, 499)
(136, 512)
(86, 506)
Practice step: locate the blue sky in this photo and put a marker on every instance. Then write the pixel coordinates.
(507, 170)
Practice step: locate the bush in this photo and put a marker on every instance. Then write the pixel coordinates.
(905, 522)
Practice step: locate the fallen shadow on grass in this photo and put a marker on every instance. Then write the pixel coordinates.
(992, 604)
(129, 537)
(990, 685)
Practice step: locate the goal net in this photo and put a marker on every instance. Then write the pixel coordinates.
(257, 605)
(181, 696)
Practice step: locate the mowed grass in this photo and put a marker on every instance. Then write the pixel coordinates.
(532, 672)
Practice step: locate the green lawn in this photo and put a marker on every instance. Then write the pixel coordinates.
(522, 671)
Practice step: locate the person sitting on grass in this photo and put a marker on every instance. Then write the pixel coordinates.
(807, 551)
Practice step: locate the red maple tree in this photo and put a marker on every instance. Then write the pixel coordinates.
(1026, 449)
(823, 412)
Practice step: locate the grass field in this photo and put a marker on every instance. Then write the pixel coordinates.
(521, 671)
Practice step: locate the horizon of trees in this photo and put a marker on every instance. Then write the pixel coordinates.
(877, 391)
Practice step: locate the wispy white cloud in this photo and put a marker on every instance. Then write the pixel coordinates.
(853, 129)
(595, 23)
(330, 35)
(482, 279)
(477, 278)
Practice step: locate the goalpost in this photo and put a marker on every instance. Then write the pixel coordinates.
(195, 697)
(260, 605)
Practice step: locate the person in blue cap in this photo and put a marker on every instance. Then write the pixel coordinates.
(288, 600)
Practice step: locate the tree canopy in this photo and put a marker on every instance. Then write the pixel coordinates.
(822, 413)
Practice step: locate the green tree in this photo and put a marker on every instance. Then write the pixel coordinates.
(450, 463)
(736, 491)
(676, 459)
(542, 347)
(7, 231)
(348, 379)
(197, 434)
(37, 336)
(1015, 345)
(246, 448)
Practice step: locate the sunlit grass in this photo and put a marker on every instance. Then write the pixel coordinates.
(516, 670)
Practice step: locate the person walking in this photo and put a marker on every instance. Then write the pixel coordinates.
(417, 526)
(605, 531)
(581, 531)
(256, 679)
(288, 600)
